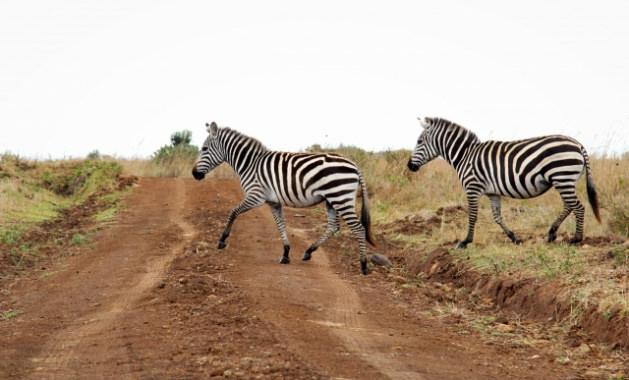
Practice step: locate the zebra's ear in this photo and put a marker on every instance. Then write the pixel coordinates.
(423, 122)
(212, 129)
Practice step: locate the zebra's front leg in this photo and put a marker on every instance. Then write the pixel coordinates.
(250, 202)
(332, 227)
(495, 210)
(278, 216)
(472, 211)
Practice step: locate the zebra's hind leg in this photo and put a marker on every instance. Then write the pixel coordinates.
(495, 210)
(278, 216)
(571, 204)
(348, 212)
(333, 226)
(472, 211)
(552, 233)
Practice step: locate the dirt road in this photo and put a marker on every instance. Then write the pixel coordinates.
(151, 297)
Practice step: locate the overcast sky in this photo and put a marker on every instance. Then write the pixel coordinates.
(121, 76)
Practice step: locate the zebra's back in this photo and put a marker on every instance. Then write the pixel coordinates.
(305, 179)
(527, 168)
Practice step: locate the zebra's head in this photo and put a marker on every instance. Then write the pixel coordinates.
(424, 151)
(211, 154)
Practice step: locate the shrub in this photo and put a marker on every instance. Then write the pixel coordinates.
(180, 149)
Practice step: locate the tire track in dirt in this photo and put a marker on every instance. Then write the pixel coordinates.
(125, 272)
(350, 329)
(345, 319)
(103, 315)
(69, 344)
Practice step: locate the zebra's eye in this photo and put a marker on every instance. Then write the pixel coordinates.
(204, 149)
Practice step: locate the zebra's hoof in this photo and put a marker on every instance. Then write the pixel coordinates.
(363, 268)
(552, 237)
(461, 245)
(308, 254)
(517, 241)
(222, 245)
(284, 260)
(575, 241)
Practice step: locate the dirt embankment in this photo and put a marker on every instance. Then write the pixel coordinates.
(529, 297)
(152, 297)
(532, 298)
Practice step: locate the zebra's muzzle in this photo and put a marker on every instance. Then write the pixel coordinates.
(412, 167)
(197, 174)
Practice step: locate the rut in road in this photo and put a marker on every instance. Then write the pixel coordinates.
(83, 347)
(103, 315)
(349, 327)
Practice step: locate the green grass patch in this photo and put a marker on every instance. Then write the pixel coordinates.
(79, 239)
(35, 192)
(548, 261)
(9, 314)
(10, 235)
(106, 215)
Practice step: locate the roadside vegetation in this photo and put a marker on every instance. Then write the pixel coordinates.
(423, 211)
(38, 196)
(426, 210)
(172, 160)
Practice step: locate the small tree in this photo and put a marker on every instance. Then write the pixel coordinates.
(179, 149)
(182, 137)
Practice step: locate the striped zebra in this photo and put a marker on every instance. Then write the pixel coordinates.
(517, 169)
(288, 179)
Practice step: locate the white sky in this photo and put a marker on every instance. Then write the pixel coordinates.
(121, 76)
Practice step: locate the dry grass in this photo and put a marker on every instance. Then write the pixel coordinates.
(598, 271)
(179, 167)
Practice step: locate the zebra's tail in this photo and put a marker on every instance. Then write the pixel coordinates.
(365, 218)
(592, 196)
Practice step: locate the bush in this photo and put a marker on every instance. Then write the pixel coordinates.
(94, 155)
(177, 158)
(181, 138)
(180, 149)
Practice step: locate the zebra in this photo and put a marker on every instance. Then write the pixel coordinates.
(288, 179)
(517, 169)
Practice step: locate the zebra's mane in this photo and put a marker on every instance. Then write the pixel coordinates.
(447, 124)
(255, 143)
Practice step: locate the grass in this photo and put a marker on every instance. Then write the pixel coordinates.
(596, 272)
(9, 314)
(35, 192)
(79, 239)
(398, 195)
(180, 166)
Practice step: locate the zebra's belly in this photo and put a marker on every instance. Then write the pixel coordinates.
(521, 188)
(292, 201)
(303, 203)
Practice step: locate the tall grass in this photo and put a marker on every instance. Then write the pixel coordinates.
(173, 160)
(595, 272)
(395, 193)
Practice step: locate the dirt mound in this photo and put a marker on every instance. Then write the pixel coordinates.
(602, 241)
(418, 224)
(415, 224)
(529, 297)
(216, 333)
(451, 210)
